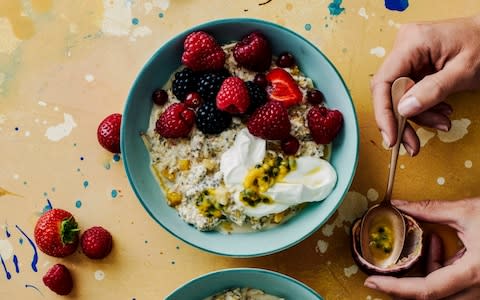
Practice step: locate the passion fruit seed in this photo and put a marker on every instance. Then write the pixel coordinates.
(285, 60)
(160, 97)
(261, 80)
(315, 97)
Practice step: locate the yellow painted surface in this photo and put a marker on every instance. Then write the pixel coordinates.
(72, 63)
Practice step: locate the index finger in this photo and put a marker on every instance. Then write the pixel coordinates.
(439, 284)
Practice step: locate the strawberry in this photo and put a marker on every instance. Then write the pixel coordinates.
(283, 88)
(270, 122)
(324, 124)
(176, 121)
(59, 279)
(201, 52)
(96, 242)
(233, 96)
(108, 133)
(56, 233)
(253, 52)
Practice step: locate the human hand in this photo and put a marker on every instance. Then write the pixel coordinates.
(442, 58)
(457, 278)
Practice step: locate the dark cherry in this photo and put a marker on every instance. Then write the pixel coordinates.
(261, 80)
(285, 60)
(160, 97)
(315, 97)
(193, 100)
(290, 145)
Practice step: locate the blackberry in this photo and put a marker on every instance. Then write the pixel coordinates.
(257, 94)
(209, 84)
(185, 81)
(210, 120)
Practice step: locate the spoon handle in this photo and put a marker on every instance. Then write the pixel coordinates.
(399, 88)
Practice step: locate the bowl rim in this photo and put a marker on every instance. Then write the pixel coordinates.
(247, 270)
(215, 23)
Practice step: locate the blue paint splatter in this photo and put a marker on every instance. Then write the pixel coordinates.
(308, 27)
(17, 129)
(173, 262)
(34, 248)
(9, 276)
(85, 184)
(82, 158)
(335, 8)
(399, 5)
(107, 165)
(161, 15)
(114, 193)
(146, 242)
(78, 204)
(15, 262)
(178, 247)
(47, 207)
(7, 233)
(33, 287)
(135, 21)
(20, 241)
(116, 157)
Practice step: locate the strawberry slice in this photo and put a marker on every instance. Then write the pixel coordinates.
(283, 88)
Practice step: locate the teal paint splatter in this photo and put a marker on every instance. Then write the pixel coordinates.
(85, 184)
(53, 189)
(78, 169)
(33, 287)
(24, 183)
(308, 27)
(47, 207)
(45, 194)
(116, 157)
(161, 15)
(114, 193)
(20, 241)
(107, 165)
(78, 204)
(335, 8)
(398, 5)
(135, 21)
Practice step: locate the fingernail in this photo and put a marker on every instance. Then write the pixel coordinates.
(442, 127)
(370, 285)
(409, 149)
(399, 202)
(386, 140)
(408, 105)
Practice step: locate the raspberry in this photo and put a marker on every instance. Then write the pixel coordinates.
(324, 124)
(96, 242)
(108, 133)
(185, 81)
(253, 52)
(233, 96)
(176, 121)
(257, 94)
(210, 120)
(270, 122)
(201, 52)
(209, 84)
(58, 279)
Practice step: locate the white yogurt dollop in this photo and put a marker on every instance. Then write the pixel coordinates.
(312, 180)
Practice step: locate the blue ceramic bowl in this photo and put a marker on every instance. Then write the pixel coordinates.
(136, 115)
(270, 282)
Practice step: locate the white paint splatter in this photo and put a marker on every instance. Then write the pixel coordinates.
(42, 103)
(117, 17)
(458, 130)
(327, 229)
(372, 195)
(44, 122)
(441, 180)
(46, 264)
(27, 133)
(378, 51)
(148, 7)
(141, 31)
(363, 13)
(89, 77)
(321, 247)
(468, 164)
(56, 108)
(402, 166)
(6, 249)
(424, 136)
(392, 23)
(368, 297)
(16, 176)
(99, 275)
(8, 42)
(73, 27)
(162, 4)
(58, 132)
(352, 270)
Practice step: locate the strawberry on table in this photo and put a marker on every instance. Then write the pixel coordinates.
(270, 122)
(176, 121)
(253, 52)
(96, 242)
(58, 279)
(56, 233)
(202, 53)
(283, 88)
(108, 133)
(324, 124)
(233, 96)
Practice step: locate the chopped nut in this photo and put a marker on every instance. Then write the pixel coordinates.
(174, 198)
(209, 164)
(277, 218)
(167, 174)
(184, 164)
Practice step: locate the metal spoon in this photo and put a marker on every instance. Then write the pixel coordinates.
(384, 214)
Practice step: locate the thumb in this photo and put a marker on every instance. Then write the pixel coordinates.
(445, 212)
(430, 91)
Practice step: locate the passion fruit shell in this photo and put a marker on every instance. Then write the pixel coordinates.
(411, 253)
